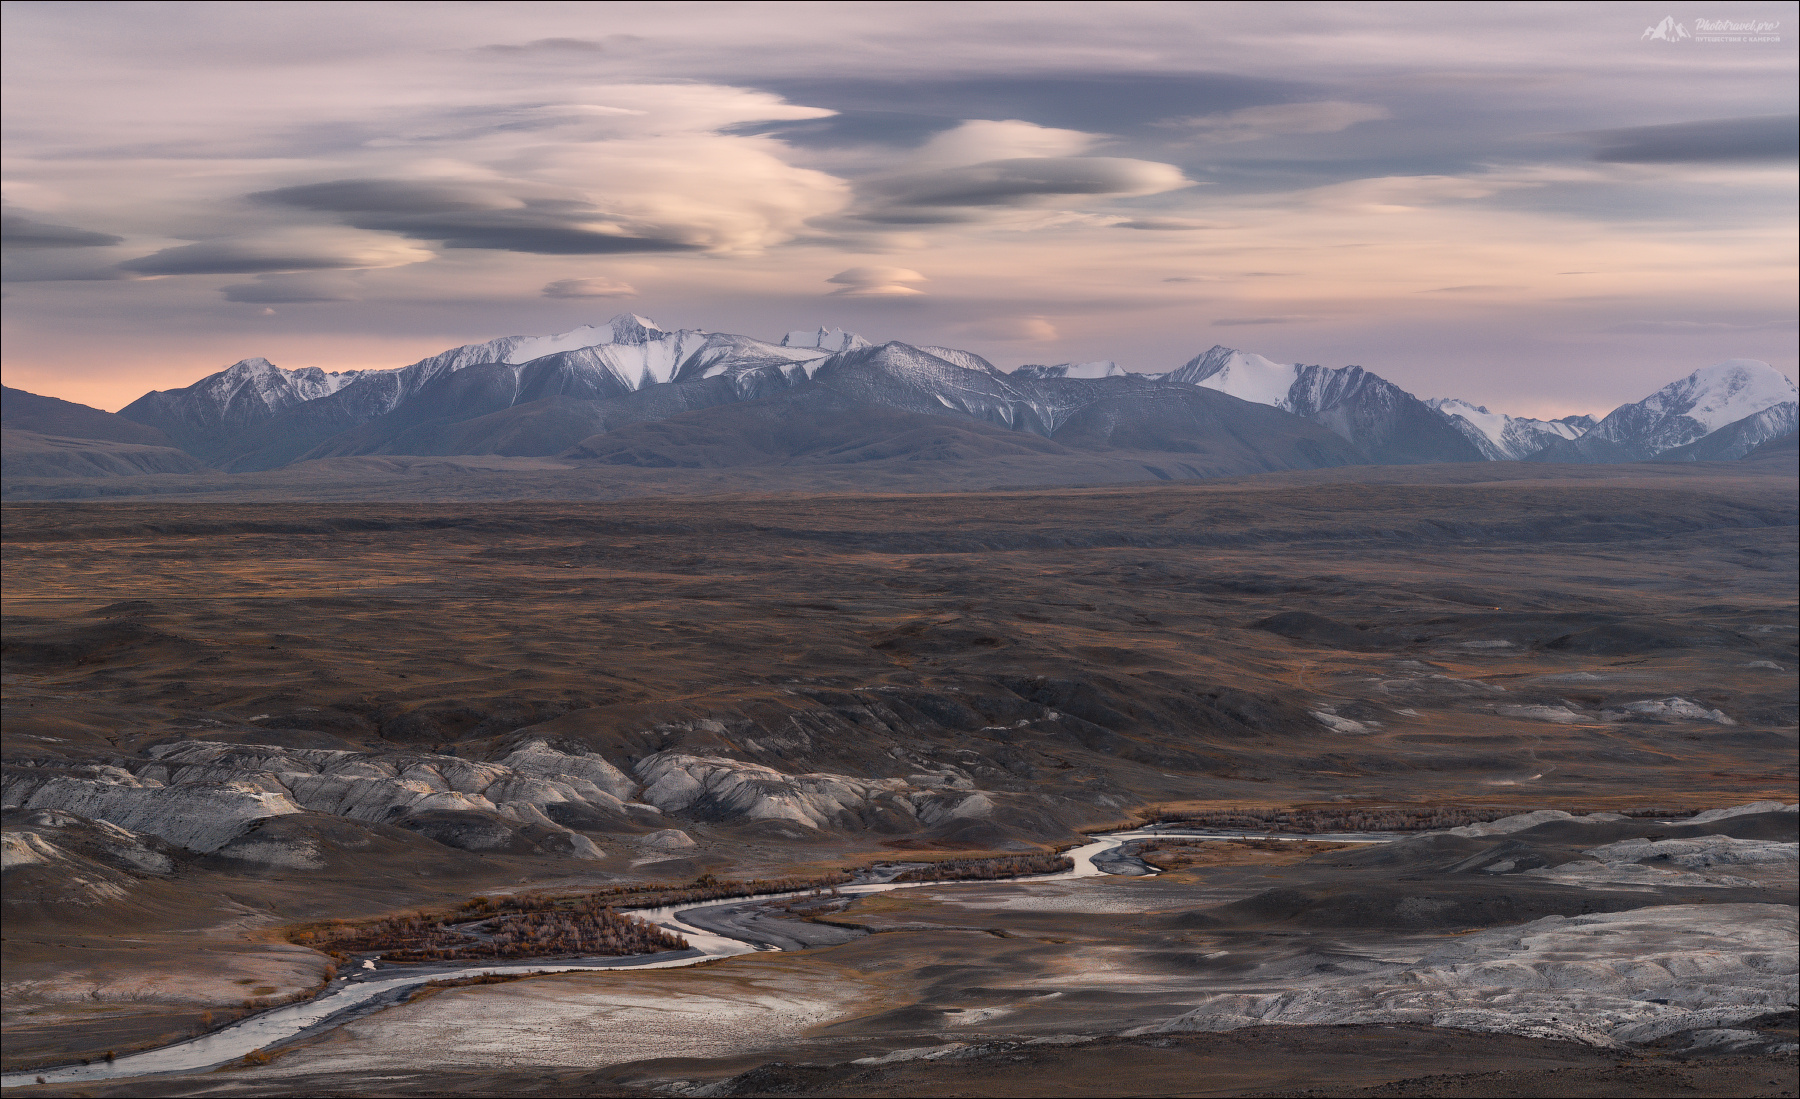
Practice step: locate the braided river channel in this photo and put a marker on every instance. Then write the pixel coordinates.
(363, 989)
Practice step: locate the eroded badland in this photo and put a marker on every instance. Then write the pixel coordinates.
(299, 712)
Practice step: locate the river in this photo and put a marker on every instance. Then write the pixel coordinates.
(276, 1025)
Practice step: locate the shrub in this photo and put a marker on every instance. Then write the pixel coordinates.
(1003, 866)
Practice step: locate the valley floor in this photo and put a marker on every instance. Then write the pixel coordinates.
(221, 721)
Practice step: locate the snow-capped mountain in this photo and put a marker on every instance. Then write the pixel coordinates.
(579, 403)
(1384, 421)
(546, 395)
(594, 362)
(935, 382)
(1248, 377)
(1681, 413)
(968, 360)
(1104, 368)
(623, 355)
(1503, 438)
(244, 394)
(1736, 440)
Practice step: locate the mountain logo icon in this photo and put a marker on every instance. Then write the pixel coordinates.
(1667, 31)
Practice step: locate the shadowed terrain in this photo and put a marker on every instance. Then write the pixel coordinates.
(298, 712)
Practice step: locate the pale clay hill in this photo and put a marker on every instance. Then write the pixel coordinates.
(206, 797)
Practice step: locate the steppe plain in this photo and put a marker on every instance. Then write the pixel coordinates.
(1585, 639)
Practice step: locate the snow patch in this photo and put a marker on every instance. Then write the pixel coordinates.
(626, 328)
(1246, 376)
(832, 340)
(1103, 368)
(1501, 437)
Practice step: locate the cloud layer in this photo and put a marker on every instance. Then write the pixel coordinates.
(1451, 195)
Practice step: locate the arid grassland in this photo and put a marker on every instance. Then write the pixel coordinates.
(228, 725)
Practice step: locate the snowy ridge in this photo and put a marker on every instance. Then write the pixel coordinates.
(1246, 376)
(252, 385)
(1714, 396)
(626, 329)
(638, 353)
(634, 352)
(246, 393)
(968, 360)
(1505, 438)
(1680, 413)
(650, 362)
(254, 415)
(1104, 368)
(935, 380)
(1737, 440)
(738, 357)
(1367, 410)
(831, 340)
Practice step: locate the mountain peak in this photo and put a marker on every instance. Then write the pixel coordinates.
(1723, 393)
(626, 330)
(968, 360)
(1685, 411)
(1209, 362)
(833, 340)
(632, 329)
(1241, 374)
(1505, 438)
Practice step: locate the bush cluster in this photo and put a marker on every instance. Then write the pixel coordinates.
(1002, 866)
(584, 928)
(540, 925)
(1178, 854)
(703, 888)
(1367, 819)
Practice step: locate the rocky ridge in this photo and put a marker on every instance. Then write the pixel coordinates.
(207, 796)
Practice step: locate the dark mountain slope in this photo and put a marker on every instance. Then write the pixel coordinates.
(812, 423)
(1389, 424)
(22, 411)
(1738, 439)
(206, 417)
(1382, 420)
(1215, 434)
(29, 454)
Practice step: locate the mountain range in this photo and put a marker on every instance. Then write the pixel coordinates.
(629, 392)
(1740, 400)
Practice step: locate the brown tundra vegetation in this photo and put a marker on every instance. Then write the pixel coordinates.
(586, 928)
(1382, 819)
(1005, 866)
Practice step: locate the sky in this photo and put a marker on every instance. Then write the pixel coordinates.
(1544, 208)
